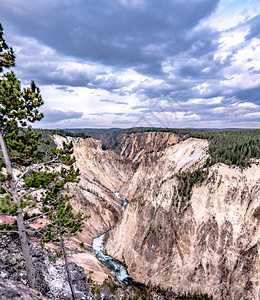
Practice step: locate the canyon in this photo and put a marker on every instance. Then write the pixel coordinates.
(205, 240)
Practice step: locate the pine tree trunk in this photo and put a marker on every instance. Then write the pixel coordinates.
(73, 294)
(20, 222)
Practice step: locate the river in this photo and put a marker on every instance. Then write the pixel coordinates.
(98, 248)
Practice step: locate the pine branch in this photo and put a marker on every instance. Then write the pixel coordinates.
(35, 167)
(39, 230)
(38, 217)
(5, 187)
(28, 192)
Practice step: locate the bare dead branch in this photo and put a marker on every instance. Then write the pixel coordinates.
(28, 192)
(39, 230)
(9, 231)
(5, 187)
(38, 217)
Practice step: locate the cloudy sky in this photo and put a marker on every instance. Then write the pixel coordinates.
(125, 63)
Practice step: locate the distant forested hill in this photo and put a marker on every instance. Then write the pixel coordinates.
(232, 147)
(229, 146)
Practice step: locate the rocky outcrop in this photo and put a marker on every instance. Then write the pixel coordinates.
(58, 285)
(13, 290)
(51, 275)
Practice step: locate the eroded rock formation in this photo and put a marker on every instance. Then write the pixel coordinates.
(210, 244)
(101, 173)
(207, 242)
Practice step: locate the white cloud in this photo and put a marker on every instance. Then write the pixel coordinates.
(238, 109)
(248, 105)
(253, 115)
(231, 13)
(210, 101)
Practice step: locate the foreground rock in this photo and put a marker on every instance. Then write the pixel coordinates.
(14, 290)
(51, 276)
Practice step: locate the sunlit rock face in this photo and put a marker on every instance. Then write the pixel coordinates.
(158, 167)
(209, 243)
(135, 146)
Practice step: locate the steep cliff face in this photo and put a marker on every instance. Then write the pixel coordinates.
(158, 167)
(209, 244)
(101, 173)
(104, 167)
(134, 145)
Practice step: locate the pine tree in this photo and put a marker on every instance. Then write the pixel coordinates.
(32, 174)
